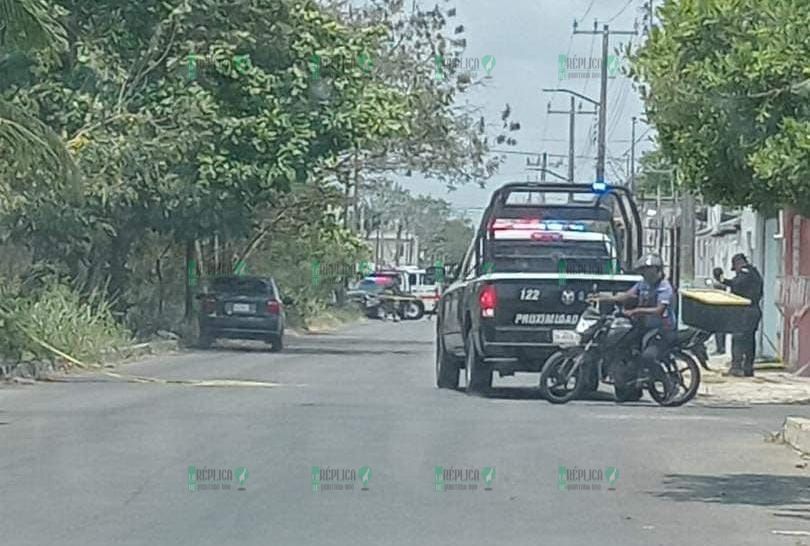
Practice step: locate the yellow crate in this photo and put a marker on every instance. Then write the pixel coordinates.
(711, 296)
(717, 311)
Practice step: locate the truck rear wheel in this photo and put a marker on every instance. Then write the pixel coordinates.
(446, 366)
(477, 373)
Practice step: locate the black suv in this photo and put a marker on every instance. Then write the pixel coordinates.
(237, 307)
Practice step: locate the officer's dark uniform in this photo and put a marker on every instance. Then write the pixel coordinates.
(748, 284)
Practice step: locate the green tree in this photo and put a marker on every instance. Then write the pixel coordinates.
(726, 86)
(29, 27)
(654, 171)
(191, 159)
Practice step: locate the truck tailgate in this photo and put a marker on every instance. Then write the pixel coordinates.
(541, 303)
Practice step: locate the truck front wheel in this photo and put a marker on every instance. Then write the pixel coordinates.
(477, 373)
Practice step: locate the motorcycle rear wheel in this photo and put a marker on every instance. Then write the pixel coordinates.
(684, 372)
(662, 388)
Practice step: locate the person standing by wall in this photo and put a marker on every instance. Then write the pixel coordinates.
(747, 282)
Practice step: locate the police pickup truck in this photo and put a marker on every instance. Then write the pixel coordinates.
(540, 251)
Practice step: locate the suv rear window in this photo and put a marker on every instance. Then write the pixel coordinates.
(242, 286)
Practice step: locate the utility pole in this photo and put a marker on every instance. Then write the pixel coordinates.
(660, 217)
(572, 113)
(356, 205)
(600, 161)
(541, 165)
(343, 176)
(545, 167)
(688, 222)
(633, 158)
(572, 122)
(602, 147)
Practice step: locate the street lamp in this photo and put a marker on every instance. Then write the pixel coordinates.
(583, 97)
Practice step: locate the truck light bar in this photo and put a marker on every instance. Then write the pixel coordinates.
(534, 224)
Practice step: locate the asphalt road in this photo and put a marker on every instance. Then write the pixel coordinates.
(100, 462)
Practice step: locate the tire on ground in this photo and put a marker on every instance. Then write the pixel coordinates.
(477, 372)
(447, 367)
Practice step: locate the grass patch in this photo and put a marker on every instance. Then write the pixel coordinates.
(80, 326)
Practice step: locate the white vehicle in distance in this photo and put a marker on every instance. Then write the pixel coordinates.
(422, 284)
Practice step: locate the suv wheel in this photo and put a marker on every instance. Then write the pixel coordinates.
(205, 340)
(477, 373)
(276, 343)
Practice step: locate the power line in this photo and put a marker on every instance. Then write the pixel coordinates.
(627, 5)
(622, 100)
(637, 141)
(587, 11)
(590, 56)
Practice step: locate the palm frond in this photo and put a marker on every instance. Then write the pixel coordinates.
(28, 142)
(29, 24)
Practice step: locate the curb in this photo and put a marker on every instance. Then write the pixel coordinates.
(796, 432)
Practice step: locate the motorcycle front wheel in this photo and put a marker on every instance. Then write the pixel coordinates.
(563, 376)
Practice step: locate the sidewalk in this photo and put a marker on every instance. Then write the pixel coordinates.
(771, 385)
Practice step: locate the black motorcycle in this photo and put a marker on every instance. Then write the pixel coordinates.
(693, 341)
(606, 352)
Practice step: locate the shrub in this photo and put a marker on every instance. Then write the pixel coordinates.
(82, 327)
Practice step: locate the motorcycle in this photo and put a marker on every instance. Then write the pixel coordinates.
(605, 353)
(693, 341)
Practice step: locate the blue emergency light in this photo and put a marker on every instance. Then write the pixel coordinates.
(600, 186)
(562, 226)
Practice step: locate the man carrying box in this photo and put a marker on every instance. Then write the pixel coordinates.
(747, 283)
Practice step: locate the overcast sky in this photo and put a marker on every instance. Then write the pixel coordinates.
(526, 37)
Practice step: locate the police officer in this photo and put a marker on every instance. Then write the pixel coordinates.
(747, 282)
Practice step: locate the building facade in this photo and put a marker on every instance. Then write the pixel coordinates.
(793, 291)
(389, 249)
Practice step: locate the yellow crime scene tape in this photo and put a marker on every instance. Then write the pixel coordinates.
(141, 379)
(397, 298)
